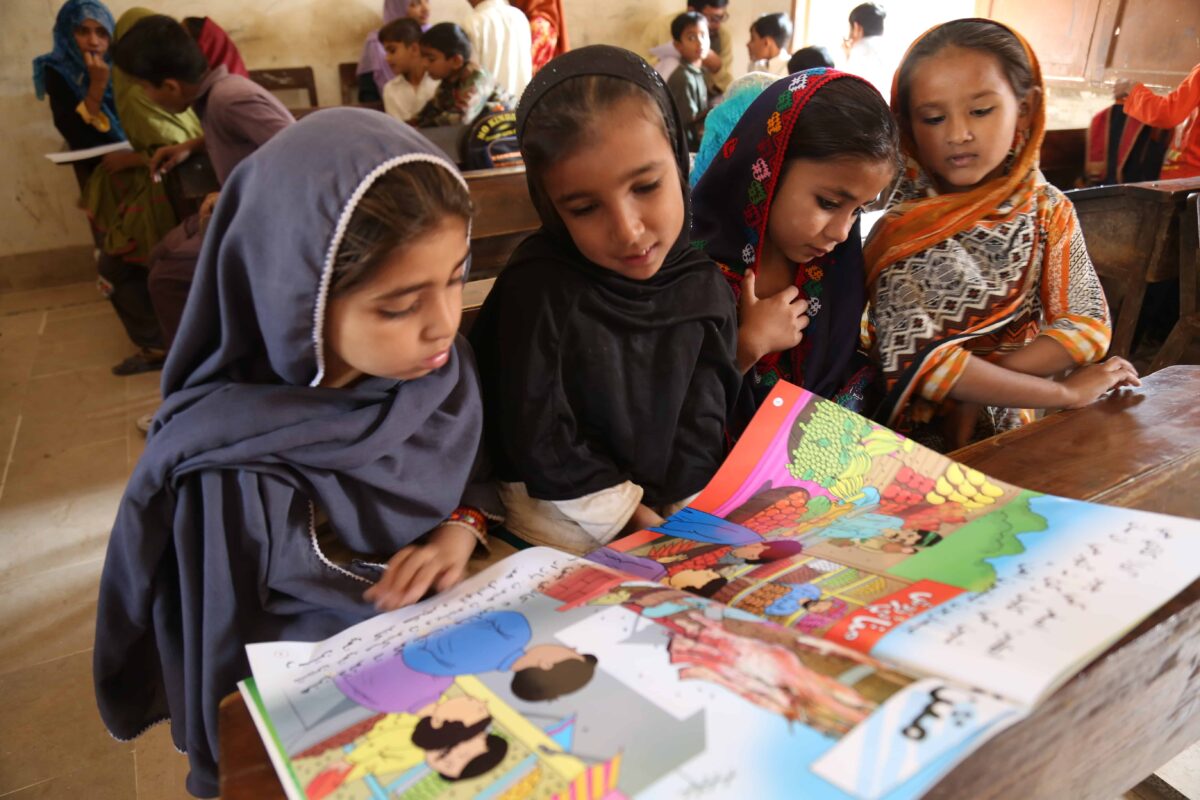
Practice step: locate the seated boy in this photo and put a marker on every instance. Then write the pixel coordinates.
(406, 94)
(717, 64)
(689, 31)
(466, 90)
(237, 116)
(809, 58)
(770, 36)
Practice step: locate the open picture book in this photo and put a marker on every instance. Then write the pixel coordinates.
(840, 613)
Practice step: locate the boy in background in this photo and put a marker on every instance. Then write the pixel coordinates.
(237, 116)
(689, 32)
(466, 90)
(406, 94)
(770, 37)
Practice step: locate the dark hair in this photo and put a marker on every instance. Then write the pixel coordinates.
(194, 26)
(404, 30)
(870, 16)
(776, 27)
(688, 19)
(969, 34)
(158, 49)
(776, 549)
(449, 40)
(809, 58)
(534, 683)
(451, 733)
(846, 118)
(710, 588)
(497, 749)
(702, 4)
(403, 204)
(567, 115)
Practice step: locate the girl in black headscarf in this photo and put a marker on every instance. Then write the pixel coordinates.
(316, 397)
(607, 346)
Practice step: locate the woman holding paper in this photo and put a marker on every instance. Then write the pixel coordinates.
(125, 211)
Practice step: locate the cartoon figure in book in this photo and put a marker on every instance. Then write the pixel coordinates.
(451, 737)
(491, 641)
(763, 673)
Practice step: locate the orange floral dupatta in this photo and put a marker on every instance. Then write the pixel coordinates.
(979, 273)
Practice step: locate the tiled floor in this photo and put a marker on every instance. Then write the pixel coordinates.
(67, 445)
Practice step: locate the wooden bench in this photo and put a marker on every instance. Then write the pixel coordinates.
(1131, 231)
(504, 216)
(348, 82)
(1187, 329)
(286, 79)
(1063, 155)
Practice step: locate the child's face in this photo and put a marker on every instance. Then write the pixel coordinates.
(419, 10)
(964, 117)
(438, 65)
(463, 709)
(690, 579)
(402, 57)
(760, 47)
(619, 193)
(168, 95)
(90, 37)
(694, 43)
(817, 203)
(401, 323)
(453, 760)
(545, 656)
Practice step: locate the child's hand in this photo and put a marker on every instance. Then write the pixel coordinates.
(1086, 384)
(210, 202)
(439, 562)
(768, 325)
(168, 157)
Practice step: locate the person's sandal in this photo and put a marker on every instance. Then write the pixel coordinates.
(145, 360)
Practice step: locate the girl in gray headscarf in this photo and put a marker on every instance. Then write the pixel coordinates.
(312, 457)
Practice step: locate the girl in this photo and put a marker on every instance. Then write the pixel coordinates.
(778, 209)
(981, 288)
(315, 399)
(607, 344)
(547, 28)
(75, 76)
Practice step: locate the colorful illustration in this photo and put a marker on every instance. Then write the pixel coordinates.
(760, 643)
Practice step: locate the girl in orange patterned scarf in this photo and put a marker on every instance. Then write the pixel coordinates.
(982, 293)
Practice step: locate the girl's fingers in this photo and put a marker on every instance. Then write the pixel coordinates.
(450, 577)
(420, 583)
(387, 581)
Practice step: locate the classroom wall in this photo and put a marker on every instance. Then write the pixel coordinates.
(44, 238)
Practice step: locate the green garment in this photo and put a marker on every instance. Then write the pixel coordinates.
(131, 211)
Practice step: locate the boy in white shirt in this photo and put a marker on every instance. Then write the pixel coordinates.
(406, 94)
(770, 37)
(502, 44)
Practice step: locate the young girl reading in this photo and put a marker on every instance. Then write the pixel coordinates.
(981, 288)
(316, 398)
(778, 209)
(607, 345)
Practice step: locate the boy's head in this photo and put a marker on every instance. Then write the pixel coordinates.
(160, 55)
(770, 34)
(866, 20)
(689, 31)
(547, 671)
(715, 12)
(445, 49)
(809, 58)
(401, 40)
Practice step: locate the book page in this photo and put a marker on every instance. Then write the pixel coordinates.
(71, 156)
(547, 675)
(827, 523)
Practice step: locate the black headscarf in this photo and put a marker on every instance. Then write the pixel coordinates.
(214, 545)
(592, 378)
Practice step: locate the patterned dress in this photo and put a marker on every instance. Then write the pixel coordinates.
(463, 97)
(978, 273)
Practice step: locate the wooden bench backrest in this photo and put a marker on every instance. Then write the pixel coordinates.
(348, 82)
(283, 79)
(1063, 155)
(504, 216)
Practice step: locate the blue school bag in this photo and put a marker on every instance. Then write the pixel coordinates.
(491, 141)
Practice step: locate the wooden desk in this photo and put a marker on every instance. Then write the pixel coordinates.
(1111, 726)
(1132, 236)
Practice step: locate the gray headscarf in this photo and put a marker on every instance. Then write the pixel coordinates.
(214, 544)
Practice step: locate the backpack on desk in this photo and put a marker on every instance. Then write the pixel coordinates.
(491, 141)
